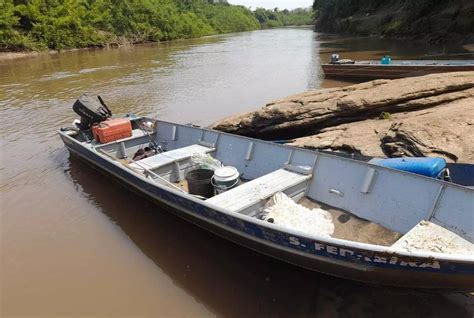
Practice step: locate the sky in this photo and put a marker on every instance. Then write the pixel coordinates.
(270, 4)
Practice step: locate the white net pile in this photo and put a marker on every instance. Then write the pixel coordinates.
(287, 213)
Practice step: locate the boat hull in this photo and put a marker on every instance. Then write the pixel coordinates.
(337, 260)
(393, 71)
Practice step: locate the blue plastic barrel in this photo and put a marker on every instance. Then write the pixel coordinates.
(430, 167)
(386, 60)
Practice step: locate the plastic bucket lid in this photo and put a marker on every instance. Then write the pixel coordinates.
(226, 174)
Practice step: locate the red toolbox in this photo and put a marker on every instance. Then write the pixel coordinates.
(112, 129)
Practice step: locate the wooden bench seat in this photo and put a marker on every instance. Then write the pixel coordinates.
(168, 157)
(260, 189)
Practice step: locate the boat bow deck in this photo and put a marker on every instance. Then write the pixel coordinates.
(430, 237)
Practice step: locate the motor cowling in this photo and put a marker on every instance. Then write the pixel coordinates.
(91, 109)
(334, 59)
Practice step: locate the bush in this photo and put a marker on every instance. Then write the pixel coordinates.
(63, 24)
(277, 18)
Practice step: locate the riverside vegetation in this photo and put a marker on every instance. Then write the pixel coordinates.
(431, 20)
(36, 25)
(276, 18)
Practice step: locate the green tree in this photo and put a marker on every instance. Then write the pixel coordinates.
(62, 24)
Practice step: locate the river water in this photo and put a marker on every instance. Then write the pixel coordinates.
(74, 243)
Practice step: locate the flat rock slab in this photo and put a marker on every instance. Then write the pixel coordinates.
(430, 115)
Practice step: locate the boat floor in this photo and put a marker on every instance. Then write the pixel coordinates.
(346, 225)
(352, 228)
(183, 184)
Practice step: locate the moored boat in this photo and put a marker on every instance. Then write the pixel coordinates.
(373, 69)
(357, 220)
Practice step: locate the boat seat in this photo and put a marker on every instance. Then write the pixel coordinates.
(169, 157)
(430, 237)
(244, 197)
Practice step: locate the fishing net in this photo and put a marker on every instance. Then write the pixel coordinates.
(286, 212)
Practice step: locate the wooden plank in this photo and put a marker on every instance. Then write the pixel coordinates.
(169, 157)
(258, 189)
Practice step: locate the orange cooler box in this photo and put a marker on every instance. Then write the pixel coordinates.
(112, 129)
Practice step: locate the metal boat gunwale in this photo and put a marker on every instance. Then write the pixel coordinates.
(323, 154)
(234, 214)
(278, 145)
(373, 69)
(454, 63)
(340, 242)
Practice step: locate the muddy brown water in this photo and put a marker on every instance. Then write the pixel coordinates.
(76, 243)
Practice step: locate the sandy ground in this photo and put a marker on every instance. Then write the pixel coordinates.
(349, 227)
(17, 55)
(6, 56)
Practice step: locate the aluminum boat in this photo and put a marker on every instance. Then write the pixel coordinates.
(368, 70)
(390, 227)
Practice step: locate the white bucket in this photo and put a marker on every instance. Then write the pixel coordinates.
(225, 178)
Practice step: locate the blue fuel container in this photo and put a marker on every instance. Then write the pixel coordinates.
(430, 167)
(386, 60)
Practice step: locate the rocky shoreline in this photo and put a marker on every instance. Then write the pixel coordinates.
(429, 115)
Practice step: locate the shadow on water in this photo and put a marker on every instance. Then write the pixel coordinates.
(231, 280)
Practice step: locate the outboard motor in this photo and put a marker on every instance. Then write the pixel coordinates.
(92, 110)
(334, 59)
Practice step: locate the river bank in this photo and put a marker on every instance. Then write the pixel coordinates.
(418, 116)
(6, 56)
